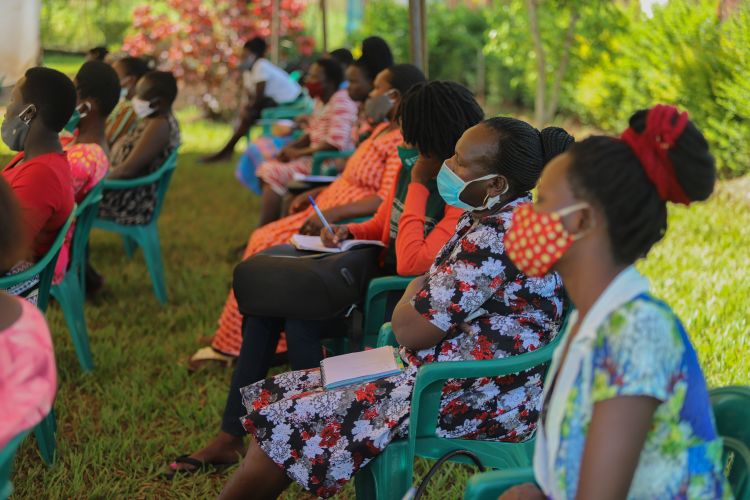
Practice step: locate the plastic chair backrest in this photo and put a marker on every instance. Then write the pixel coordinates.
(7, 454)
(295, 75)
(161, 176)
(431, 378)
(321, 156)
(45, 267)
(85, 215)
(731, 406)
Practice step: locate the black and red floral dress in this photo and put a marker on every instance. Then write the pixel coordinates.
(487, 308)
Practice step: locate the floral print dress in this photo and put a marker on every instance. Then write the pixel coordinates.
(631, 344)
(321, 438)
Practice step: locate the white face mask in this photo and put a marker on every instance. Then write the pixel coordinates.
(141, 107)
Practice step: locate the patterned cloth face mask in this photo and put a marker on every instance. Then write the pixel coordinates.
(536, 241)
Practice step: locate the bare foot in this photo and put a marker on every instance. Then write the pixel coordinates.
(223, 450)
(222, 155)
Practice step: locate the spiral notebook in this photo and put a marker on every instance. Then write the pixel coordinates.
(357, 367)
(313, 243)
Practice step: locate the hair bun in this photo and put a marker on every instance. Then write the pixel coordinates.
(555, 140)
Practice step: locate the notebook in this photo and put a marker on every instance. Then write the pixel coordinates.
(299, 176)
(313, 243)
(356, 367)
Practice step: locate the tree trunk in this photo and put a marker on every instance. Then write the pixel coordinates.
(541, 78)
(560, 73)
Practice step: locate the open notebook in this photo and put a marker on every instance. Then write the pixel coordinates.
(299, 176)
(302, 242)
(363, 366)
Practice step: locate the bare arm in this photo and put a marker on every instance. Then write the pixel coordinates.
(614, 442)
(365, 206)
(412, 330)
(153, 140)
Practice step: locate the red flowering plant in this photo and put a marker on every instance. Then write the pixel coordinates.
(200, 41)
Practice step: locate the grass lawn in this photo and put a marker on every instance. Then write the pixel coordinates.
(139, 409)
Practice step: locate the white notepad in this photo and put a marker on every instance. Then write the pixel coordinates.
(313, 243)
(357, 367)
(299, 176)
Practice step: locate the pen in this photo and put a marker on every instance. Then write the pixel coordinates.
(320, 215)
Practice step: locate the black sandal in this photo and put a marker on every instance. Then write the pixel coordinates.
(197, 467)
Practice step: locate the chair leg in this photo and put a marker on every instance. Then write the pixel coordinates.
(388, 477)
(69, 295)
(130, 245)
(45, 437)
(152, 253)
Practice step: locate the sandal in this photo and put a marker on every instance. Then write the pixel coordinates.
(197, 467)
(206, 356)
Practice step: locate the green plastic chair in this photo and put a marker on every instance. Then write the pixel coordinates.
(45, 268)
(389, 476)
(146, 235)
(70, 293)
(7, 455)
(375, 305)
(731, 406)
(321, 156)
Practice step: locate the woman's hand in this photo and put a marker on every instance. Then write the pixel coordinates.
(313, 224)
(425, 169)
(340, 233)
(525, 491)
(299, 203)
(288, 154)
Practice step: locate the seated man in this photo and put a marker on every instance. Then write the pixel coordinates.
(39, 175)
(266, 84)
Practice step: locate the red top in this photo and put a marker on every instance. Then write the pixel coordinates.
(44, 188)
(414, 251)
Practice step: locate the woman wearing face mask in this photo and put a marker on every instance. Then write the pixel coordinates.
(472, 304)
(366, 181)
(329, 129)
(39, 175)
(98, 90)
(626, 411)
(123, 119)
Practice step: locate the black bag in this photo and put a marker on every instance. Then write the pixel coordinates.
(289, 283)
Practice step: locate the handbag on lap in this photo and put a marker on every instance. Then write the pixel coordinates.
(282, 281)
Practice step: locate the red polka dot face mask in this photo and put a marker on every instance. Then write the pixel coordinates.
(535, 241)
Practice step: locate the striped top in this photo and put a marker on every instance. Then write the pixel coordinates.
(120, 121)
(334, 122)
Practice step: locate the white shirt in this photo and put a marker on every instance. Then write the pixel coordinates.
(279, 86)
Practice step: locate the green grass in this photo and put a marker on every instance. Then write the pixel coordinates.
(119, 426)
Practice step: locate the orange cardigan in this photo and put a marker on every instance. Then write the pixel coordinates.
(414, 251)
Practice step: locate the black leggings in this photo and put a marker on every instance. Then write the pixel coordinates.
(259, 338)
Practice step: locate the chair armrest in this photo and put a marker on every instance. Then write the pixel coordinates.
(490, 485)
(376, 301)
(319, 157)
(386, 336)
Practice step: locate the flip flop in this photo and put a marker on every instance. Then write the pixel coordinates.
(197, 467)
(206, 356)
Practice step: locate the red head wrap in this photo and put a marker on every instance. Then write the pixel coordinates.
(652, 148)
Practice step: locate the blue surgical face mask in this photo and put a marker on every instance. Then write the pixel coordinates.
(450, 186)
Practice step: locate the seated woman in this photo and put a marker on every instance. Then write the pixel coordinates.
(143, 150)
(98, 90)
(39, 175)
(473, 304)
(28, 377)
(123, 119)
(367, 180)
(626, 410)
(424, 225)
(329, 129)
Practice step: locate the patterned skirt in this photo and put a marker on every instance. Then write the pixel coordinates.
(321, 438)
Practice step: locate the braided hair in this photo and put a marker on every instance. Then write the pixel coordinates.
(523, 151)
(434, 114)
(606, 172)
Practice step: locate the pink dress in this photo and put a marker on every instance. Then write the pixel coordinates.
(88, 165)
(28, 378)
